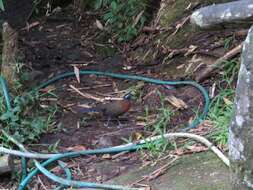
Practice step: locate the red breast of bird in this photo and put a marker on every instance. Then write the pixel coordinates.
(115, 108)
(112, 109)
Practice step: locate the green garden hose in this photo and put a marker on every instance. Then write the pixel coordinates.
(79, 184)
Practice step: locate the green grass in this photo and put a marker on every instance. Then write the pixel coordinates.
(159, 127)
(221, 107)
(221, 110)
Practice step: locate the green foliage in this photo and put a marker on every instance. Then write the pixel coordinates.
(1, 5)
(23, 126)
(21, 122)
(124, 19)
(228, 42)
(53, 147)
(159, 128)
(221, 107)
(221, 110)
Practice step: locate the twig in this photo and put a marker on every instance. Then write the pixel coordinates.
(156, 173)
(89, 96)
(92, 87)
(180, 25)
(29, 26)
(118, 155)
(218, 62)
(41, 183)
(161, 170)
(86, 95)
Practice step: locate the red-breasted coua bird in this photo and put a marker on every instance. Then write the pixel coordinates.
(111, 109)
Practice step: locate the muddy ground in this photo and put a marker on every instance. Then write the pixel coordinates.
(59, 42)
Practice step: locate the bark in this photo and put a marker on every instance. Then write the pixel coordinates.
(241, 128)
(9, 55)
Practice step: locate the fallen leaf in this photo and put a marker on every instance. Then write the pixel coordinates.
(76, 148)
(227, 101)
(197, 148)
(178, 103)
(49, 88)
(77, 73)
(138, 17)
(99, 25)
(191, 49)
(106, 156)
(136, 136)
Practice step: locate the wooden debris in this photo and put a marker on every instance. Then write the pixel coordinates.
(158, 172)
(29, 26)
(178, 103)
(86, 95)
(180, 25)
(206, 73)
(6, 165)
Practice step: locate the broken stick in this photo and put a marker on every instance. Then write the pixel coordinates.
(207, 72)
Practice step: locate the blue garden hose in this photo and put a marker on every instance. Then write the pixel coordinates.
(80, 184)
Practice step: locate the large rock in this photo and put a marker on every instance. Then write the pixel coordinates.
(174, 12)
(202, 171)
(233, 12)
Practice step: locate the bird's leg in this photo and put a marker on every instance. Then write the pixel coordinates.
(108, 121)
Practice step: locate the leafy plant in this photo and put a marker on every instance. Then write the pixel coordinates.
(17, 121)
(124, 19)
(160, 128)
(53, 147)
(228, 41)
(1, 5)
(221, 108)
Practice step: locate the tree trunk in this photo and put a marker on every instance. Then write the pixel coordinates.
(9, 55)
(241, 128)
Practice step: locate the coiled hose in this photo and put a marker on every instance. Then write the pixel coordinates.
(79, 184)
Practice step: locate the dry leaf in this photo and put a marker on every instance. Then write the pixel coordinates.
(136, 136)
(99, 25)
(49, 88)
(76, 148)
(212, 92)
(227, 101)
(178, 103)
(77, 73)
(138, 17)
(106, 156)
(188, 7)
(197, 148)
(84, 105)
(191, 49)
